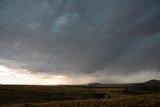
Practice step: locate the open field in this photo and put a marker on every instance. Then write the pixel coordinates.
(115, 95)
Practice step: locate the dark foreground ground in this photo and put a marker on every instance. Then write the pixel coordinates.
(116, 95)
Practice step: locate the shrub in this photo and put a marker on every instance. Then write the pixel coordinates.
(99, 95)
(126, 90)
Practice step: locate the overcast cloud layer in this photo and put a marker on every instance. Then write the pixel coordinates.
(81, 36)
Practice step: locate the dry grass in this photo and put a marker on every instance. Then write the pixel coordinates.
(150, 100)
(76, 96)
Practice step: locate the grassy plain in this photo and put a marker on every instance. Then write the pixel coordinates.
(113, 95)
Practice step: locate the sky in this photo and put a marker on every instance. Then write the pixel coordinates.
(79, 41)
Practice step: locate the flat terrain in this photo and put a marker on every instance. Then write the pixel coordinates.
(101, 95)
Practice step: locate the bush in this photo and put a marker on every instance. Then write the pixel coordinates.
(99, 95)
(126, 90)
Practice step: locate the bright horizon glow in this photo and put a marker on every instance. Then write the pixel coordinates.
(13, 73)
(22, 76)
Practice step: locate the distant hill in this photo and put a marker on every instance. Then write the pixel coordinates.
(149, 86)
(153, 81)
(93, 84)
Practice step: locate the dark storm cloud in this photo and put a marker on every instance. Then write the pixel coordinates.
(81, 36)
